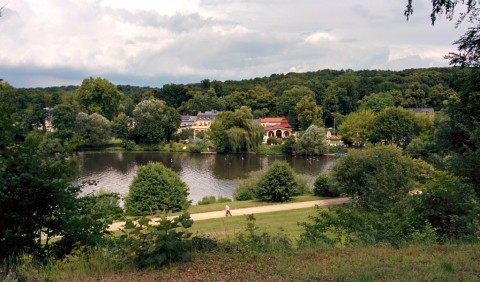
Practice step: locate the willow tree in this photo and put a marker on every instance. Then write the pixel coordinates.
(234, 132)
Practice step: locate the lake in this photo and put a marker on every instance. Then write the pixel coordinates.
(205, 174)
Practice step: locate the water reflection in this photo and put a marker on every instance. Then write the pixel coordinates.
(204, 174)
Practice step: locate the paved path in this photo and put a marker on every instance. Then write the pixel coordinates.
(254, 210)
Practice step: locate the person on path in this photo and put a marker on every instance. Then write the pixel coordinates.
(227, 211)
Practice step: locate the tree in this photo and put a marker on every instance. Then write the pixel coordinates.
(63, 120)
(358, 126)
(468, 49)
(155, 122)
(289, 99)
(449, 205)
(120, 126)
(324, 187)
(173, 94)
(94, 129)
(448, 7)
(35, 196)
(469, 44)
(202, 101)
(156, 187)
(311, 142)
(277, 184)
(98, 95)
(377, 177)
(235, 132)
(457, 134)
(394, 126)
(377, 101)
(308, 112)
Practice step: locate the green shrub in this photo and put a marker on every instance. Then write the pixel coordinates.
(223, 200)
(288, 145)
(156, 188)
(197, 146)
(88, 224)
(449, 205)
(128, 145)
(153, 245)
(277, 185)
(244, 191)
(243, 194)
(264, 242)
(207, 200)
(323, 187)
(337, 150)
(273, 140)
(302, 185)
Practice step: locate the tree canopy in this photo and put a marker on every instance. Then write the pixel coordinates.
(155, 121)
(98, 95)
(235, 132)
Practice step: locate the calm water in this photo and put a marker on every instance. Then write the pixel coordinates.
(205, 175)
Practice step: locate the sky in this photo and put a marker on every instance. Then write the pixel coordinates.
(155, 42)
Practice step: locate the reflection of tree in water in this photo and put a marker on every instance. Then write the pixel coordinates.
(205, 174)
(172, 161)
(93, 163)
(233, 166)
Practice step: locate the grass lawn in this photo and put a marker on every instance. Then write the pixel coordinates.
(272, 223)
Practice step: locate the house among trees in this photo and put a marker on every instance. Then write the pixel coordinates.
(187, 122)
(277, 127)
(333, 139)
(203, 121)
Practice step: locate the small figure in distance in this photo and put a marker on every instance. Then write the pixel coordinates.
(227, 211)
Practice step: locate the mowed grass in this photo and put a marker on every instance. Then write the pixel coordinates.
(284, 222)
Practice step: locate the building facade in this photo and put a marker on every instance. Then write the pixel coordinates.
(203, 122)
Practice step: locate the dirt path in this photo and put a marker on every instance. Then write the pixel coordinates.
(262, 209)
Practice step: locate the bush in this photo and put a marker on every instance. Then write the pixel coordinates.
(277, 185)
(156, 188)
(154, 245)
(243, 194)
(273, 140)
(223, 200)
(323, 187)
(88, 224)
(244, 191)
(302, 185)
(197, 146)
(207, 200)
(378, 177)
(449, 205)
(128, 145)
(264, 242)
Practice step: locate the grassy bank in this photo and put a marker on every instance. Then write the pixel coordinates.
(448, 262)
(232, 261)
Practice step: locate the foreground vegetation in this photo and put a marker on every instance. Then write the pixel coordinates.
(248, 253)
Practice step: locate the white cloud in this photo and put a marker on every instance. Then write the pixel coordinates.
(138, 42)
(319, 37)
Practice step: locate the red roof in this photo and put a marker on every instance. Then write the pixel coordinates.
(277, 126)
(272, 120)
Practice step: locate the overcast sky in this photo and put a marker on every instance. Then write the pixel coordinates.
(151, 43)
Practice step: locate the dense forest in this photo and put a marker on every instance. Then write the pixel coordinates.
(337, 92)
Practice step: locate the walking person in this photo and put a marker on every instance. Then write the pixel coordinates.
(227, 211)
